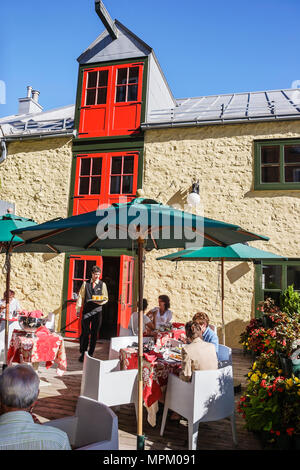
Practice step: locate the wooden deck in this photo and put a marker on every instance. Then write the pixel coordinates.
(58, 396)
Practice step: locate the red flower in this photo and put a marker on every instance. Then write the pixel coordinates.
(290, 431)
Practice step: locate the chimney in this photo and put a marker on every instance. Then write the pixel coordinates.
(30, 104)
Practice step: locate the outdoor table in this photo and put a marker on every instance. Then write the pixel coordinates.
(156, 370)
(44, 346)
(177, 332)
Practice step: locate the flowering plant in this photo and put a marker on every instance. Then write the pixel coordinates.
(271, 402)
(33, 314)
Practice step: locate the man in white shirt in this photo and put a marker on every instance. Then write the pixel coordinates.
(19, 389)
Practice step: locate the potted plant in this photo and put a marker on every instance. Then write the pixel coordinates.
(290, 301)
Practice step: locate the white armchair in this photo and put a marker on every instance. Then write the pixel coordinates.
(224, 355)
(104, 382)
(12, 325)
(208, 397)
(93, 427)
(118, 343)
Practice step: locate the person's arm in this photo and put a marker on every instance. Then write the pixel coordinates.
(105, 294)
(186, 367)
(80, 299)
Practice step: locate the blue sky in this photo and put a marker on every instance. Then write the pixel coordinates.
(204, 47)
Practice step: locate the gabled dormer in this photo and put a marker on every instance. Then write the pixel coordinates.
(120, 82)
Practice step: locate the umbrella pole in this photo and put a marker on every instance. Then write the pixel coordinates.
(140, 436)
(222, 300)
(8, 256)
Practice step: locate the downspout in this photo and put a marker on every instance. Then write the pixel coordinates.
(3, 154)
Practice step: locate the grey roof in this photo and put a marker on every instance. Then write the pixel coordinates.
(104, 48)
(58, 121)
(222, 109)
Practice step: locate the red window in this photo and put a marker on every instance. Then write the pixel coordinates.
(102, 179)
(111, 100)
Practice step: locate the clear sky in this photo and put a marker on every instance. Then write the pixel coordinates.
(204, 47)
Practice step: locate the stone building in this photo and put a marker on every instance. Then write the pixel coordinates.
(127, 131)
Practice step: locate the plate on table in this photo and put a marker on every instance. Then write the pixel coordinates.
(175, 357)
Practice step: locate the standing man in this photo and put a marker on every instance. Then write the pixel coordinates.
(91, 312)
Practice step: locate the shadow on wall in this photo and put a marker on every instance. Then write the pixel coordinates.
(233, 331)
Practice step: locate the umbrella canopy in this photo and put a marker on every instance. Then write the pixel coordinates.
(235, 252)
(142, 224)
(120, 225)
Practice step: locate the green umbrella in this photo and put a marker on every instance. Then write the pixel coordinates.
(8, 223)
(235, 252)
(142, 224)
(12, 243)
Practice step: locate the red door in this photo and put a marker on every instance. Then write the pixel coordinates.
(80, 269)
(111, 100)
(125, 291)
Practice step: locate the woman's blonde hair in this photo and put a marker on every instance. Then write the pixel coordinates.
(201, 318)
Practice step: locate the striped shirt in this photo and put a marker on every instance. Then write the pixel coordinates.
(19, 432)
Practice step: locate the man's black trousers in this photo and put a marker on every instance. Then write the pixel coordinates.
(90, 328)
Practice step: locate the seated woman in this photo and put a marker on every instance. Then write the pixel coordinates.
(14, 305)
(197, 354)
(162, 314)
(134, 321)
(208, 334)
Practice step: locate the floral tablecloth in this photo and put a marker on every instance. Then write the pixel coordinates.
(43, 347)
(155, 376)
(177, 332)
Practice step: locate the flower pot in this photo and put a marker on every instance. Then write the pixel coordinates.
(266, 321)
(286, 365)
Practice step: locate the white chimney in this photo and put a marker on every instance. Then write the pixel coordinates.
(30, 104)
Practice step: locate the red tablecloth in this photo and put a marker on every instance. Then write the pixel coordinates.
(155, 372)
(177, 332)
(43, 347)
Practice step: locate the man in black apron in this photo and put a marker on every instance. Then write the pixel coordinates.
(91, 312)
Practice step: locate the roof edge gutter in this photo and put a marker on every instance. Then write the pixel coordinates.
(169, 124)
(12, 138)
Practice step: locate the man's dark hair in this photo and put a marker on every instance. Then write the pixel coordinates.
(145, 304)
(96, 269)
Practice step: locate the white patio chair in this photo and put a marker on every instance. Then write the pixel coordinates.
(12, 325)
(104, 382)
(118, 343)
(208, 397)
(224, 356)
(93, 427)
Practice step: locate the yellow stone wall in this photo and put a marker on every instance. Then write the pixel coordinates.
(36, 177)
(221, 157)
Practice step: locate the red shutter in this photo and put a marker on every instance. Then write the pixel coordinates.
(94, 113)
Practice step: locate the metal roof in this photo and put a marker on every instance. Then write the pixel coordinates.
(58, 121)
(205, 110)
(228, 108)
(104, 48)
